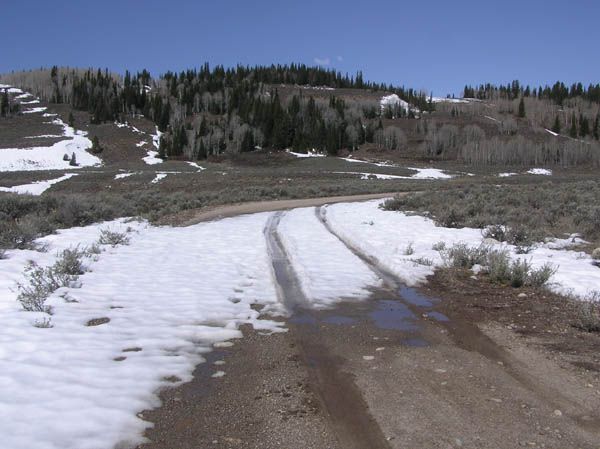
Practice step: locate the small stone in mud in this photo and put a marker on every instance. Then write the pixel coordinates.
(223, 344)
(557, 413)
(440, 371)
(218, 374)
(368, 357)
(219, 362)
(522, 295)
(98, 321)
(172, 379)
(379, 349)
(496, 400)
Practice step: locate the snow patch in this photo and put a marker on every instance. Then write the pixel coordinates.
(159, 177)
(540, 171)
(50, 158)
(307, 154)
(37, 187)
(34, 110)
(195, 165)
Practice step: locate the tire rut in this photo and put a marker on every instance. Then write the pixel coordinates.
(346, 409)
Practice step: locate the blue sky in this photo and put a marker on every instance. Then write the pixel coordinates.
(434, 45)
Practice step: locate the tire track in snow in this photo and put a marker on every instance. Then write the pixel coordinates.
(286, 280)
(370, 261)
(347, 411)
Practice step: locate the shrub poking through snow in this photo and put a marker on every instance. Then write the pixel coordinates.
(44, 323)
(588, 314)
(496, 232)
(439, 246)
(461, 255)
(41, 282)
(542, 275)
(497, 265)
(112, 238)
(66, 157)
(409, 250)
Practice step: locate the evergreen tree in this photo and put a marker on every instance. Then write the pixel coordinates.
(96, 148)
(596, 130)
(584, 127)
(573, 131)
(522, 108)
(4, 103)
(73, 160)
(556, 126)
(71, 120)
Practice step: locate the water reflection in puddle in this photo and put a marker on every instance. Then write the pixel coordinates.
(338, 319)
(411, 296)
(438, 316)
(393, 315)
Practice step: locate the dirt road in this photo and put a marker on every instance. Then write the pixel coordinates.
(388, 372)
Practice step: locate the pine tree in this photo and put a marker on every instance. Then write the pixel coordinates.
(96, 148)
(71, 120)
(522, 108)
(556, 126)
(596, 131)
(573, 131)
(584, 127)
(73, 161)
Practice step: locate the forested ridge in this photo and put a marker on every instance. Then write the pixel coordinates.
(212, 110)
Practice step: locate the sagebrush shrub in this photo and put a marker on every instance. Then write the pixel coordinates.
(41, 282)
(113, 238)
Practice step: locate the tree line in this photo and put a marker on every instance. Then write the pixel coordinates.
(558, 92)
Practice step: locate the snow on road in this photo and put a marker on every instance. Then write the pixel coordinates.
(170, 295)
(51, 158)
(394, 239)
(402, 242)
(327, 270)
(37, 187)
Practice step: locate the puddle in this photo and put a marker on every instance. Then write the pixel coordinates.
(438, 316)
(415, 342)
(393, 315)
(339, 319)
(411, 296)
(303, 318)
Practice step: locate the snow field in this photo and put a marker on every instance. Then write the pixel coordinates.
(170, 295)
(327, 270)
